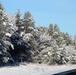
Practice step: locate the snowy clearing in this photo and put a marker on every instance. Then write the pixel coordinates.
(35, 69)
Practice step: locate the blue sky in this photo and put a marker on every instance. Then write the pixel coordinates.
(61, 12)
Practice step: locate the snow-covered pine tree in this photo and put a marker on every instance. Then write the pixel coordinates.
(56, 32)
(28, 21)
(18, 20)
(2, 21)
(50, 29)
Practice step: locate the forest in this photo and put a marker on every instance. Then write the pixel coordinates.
(22, 41)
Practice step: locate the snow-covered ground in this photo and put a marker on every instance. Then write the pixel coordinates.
(35, 69)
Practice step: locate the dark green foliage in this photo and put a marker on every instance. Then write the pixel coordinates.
(1, 7)
(28, 21)
(56, 28)
(67, 38)
(18, 19)
(21, 51)
(50, 30)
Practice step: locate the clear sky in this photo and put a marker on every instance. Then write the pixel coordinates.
(61, 12)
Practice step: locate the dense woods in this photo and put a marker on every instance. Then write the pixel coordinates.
(21, 41)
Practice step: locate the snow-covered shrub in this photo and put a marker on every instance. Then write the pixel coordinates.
(73, 58)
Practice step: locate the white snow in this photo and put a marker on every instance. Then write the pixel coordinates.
(35, 69)
(22, 34)
(10, 24)
(27, 37)
(4, 23)
(8, 34)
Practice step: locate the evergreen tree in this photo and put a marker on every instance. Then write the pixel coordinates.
(2, 19)
(28, 21)
(75, 41)
(56, 31)
(1, 13)
(56, 28)
(67, 38)
(1, 7)
(73, 58)
(50, 30)
(18, 19)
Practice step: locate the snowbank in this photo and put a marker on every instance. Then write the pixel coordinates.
(35, 69)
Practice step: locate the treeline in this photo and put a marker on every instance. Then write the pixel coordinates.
(21, 41)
